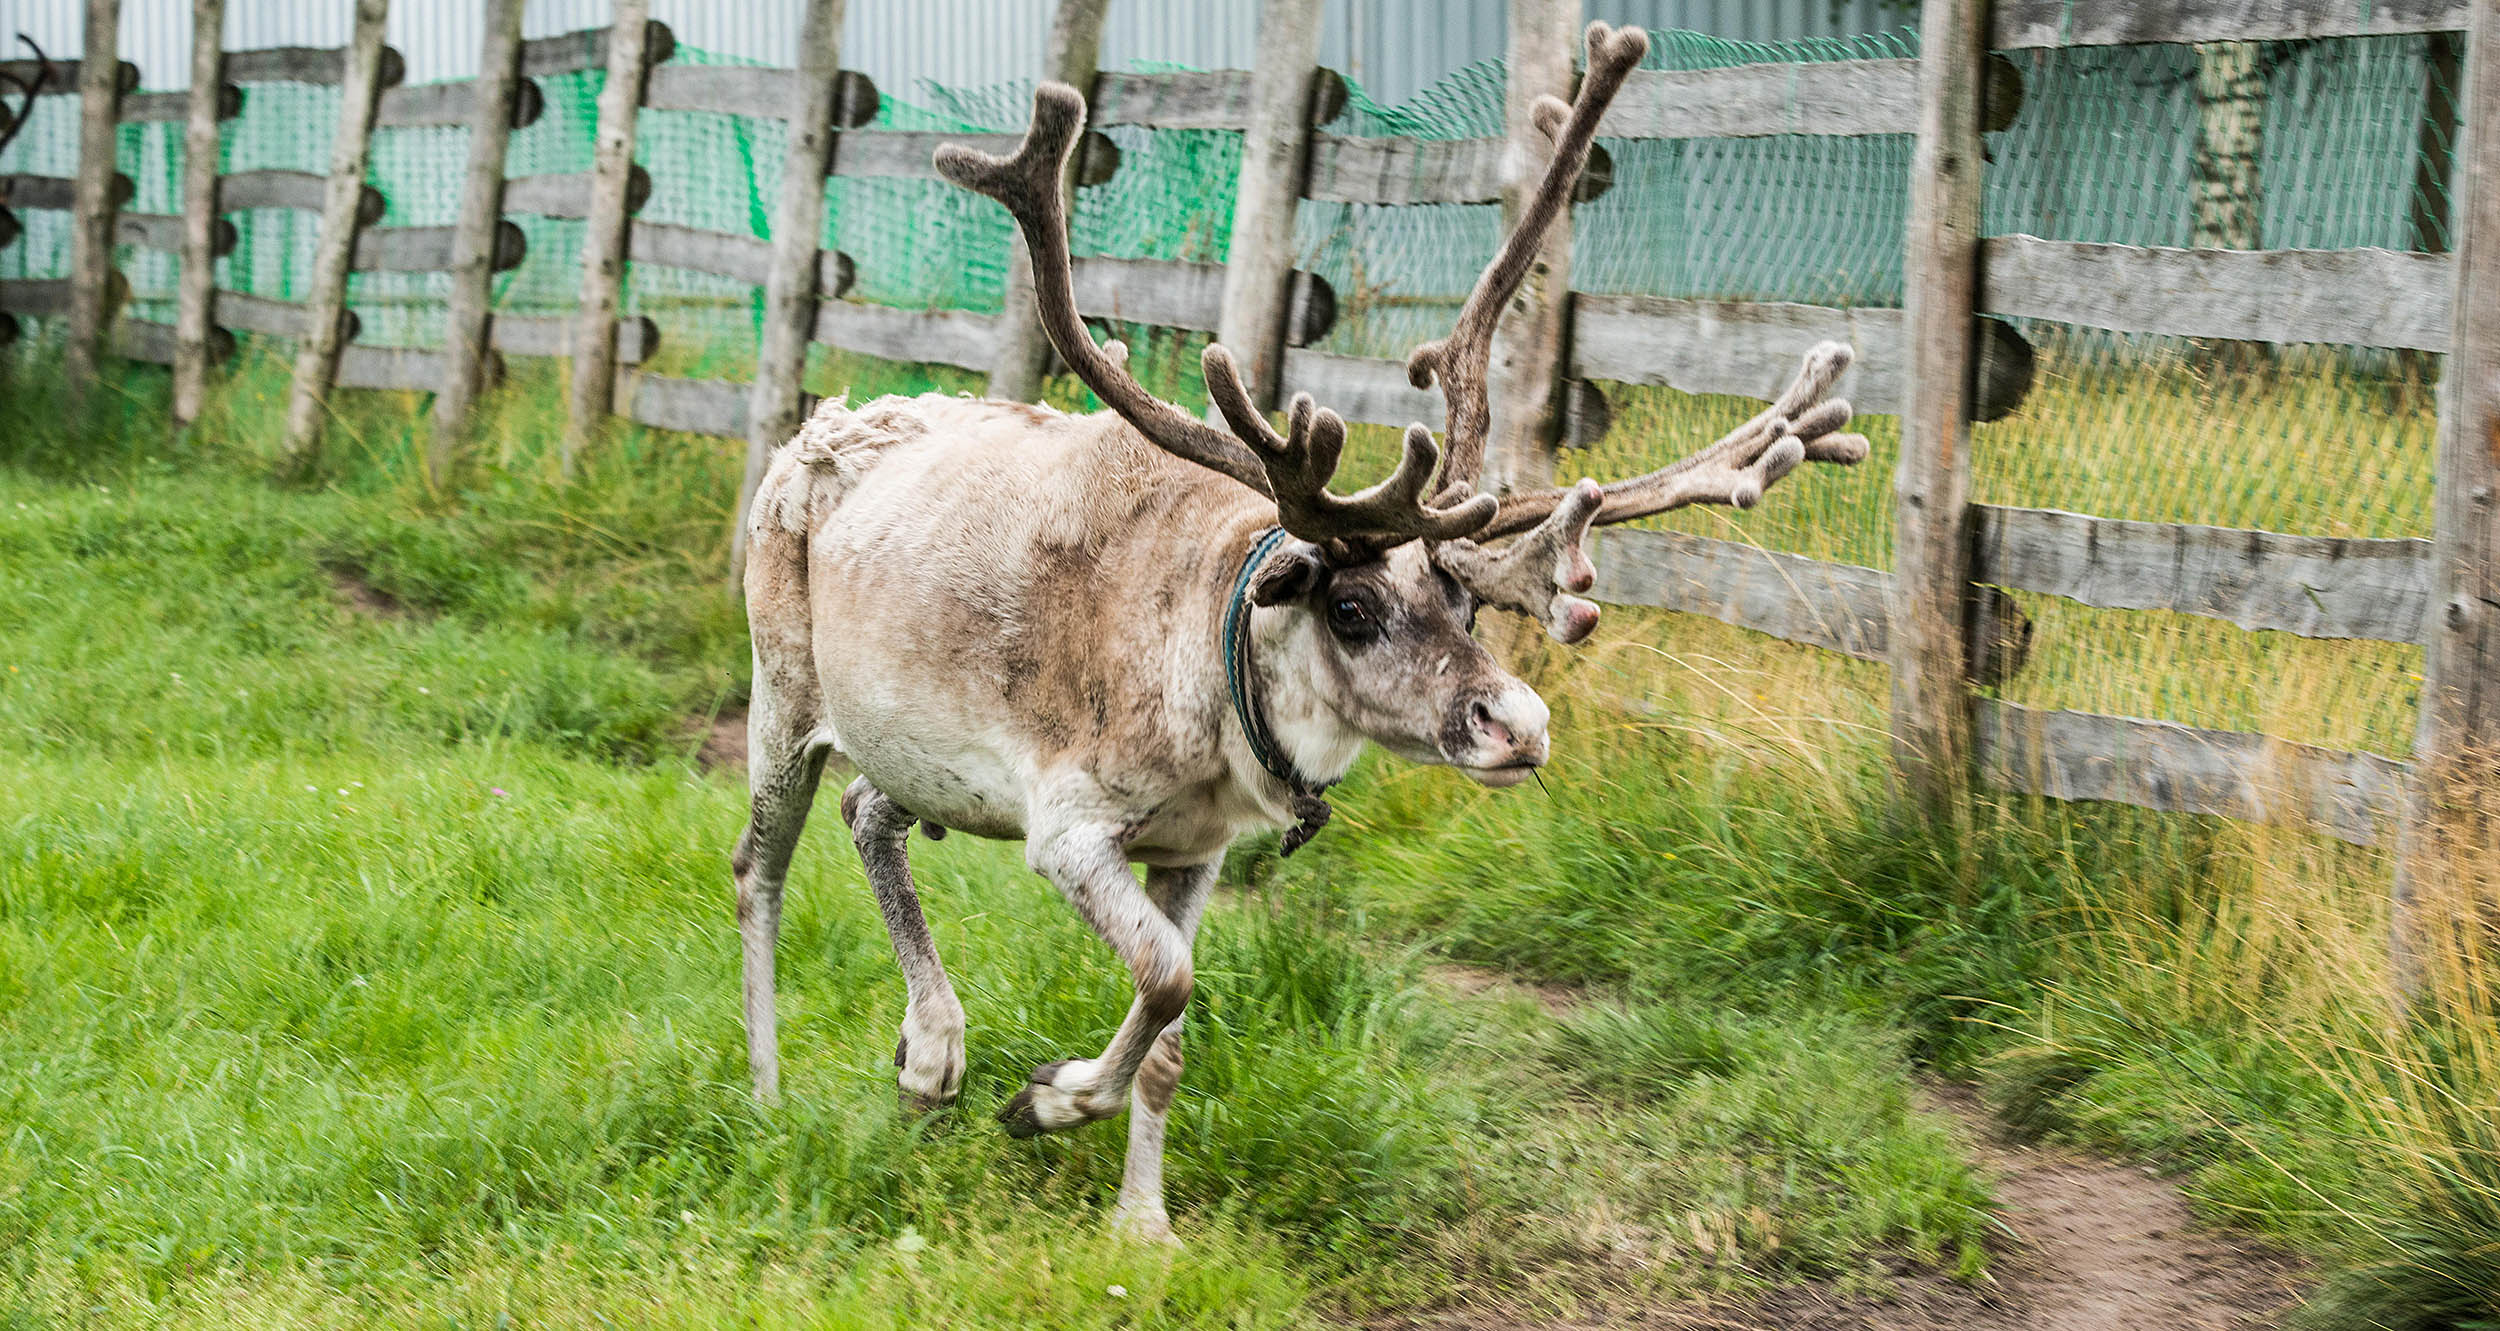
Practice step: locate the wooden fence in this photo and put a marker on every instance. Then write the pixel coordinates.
(1940, 617)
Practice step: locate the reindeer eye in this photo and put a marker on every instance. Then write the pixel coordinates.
(1351, 620)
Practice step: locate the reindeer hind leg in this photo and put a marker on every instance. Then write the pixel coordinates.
(929, 1054)
(785, 758)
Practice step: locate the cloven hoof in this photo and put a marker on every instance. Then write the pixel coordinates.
(1019, 1116)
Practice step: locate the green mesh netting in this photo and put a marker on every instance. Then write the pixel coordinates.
(2344, 143)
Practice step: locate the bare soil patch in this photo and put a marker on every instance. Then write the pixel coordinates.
(363, 598)
(2108, 1246)
(2096, 1245)
(1476, 982)
(724, 743)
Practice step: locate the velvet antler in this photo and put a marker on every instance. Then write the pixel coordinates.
(1028, 184)
(1532, 573)
(1293, 469)
(1459, 362)
(1300, 462)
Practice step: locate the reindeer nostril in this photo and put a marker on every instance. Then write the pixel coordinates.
(1494, 732)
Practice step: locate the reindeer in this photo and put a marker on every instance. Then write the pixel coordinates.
(1133, 637)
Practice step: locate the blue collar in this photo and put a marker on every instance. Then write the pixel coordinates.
(1311, 811)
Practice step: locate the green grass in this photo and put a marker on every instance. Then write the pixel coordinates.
(370, 968)
(460, 1042)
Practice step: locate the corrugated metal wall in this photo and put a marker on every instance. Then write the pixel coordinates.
(1392, 47)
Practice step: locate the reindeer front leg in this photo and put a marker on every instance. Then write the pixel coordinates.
(1088, 863)
(1182, 896)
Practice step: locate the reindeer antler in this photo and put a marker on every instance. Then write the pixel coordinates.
(1459, 362)
(13, 122)
(1294, 470)
(1028, 184)
(1301, 462)
(1531, 573)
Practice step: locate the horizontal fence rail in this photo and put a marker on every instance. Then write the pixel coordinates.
(2314, 586)
(2355, 797)
(2020, 23)
(2367, 297)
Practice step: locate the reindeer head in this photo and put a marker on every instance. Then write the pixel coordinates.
(1370, 598)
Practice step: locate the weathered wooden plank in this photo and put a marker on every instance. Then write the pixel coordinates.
(2016, 24)
(491, 108)
(1189, 295)
(744, 258)
(428, 249)
(308, 64)
(195, 331)
(790, 288)
(174, 107)
(1408, 171)
(407, 369)
(448, 104)
(289, 189)
(569, 195)
(155, 343)
(91, 221)
(1751, 349)
(47, 297)
(60, 192)
(317, 354)
(1022, 348)
(1931, 626)
(757, 91)
(1204, 99)
(2314, 586)
(908, 154)
(1362, 388)
(1841, 97)
(62, 79)
(275, 318)
(695, 406)
(591, 390)
(1375, 391)
(2452, 831)
(637, 337)
(163, 231)
(942, 337)
(1838, 607)
(1197, 99)
(571, 52)
(1525, 372)
(2366, 297)
(1743, 348)
(1281, 111)
(2162, 765)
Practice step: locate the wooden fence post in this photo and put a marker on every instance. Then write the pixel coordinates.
(1931, 700)
(2452, 838)
(603, 240)
(466, 314)
(798, 236)
(91, 237)
(197, 284)
(325, 302)
(1275, 163)
(1023, 350)
(1525, 371)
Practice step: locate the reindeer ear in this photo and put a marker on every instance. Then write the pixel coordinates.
(1288, 575)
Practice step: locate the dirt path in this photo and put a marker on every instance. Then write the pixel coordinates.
(2107, 1246)
(2097, 1245)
